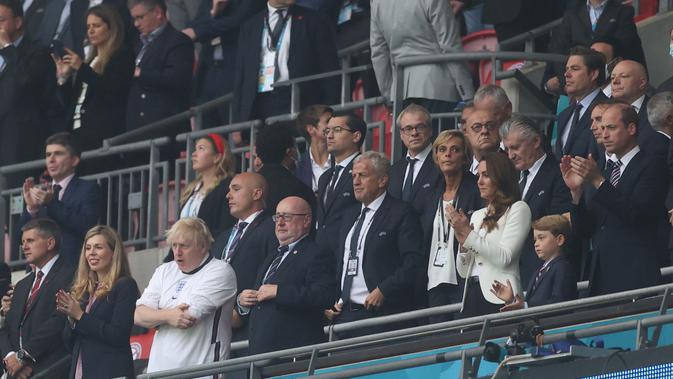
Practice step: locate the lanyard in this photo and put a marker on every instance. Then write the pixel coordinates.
(445, 231)
(270, 43)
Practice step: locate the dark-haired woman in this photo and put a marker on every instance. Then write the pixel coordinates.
(491, 240)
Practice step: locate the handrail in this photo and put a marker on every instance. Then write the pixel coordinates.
(355, 48)
(261, 360)
(322, 75)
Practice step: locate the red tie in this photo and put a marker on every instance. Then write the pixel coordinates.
(33, 292)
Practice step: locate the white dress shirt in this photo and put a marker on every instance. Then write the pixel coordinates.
(421, 156)
(284, 48)
(532, 171)
(317, 170)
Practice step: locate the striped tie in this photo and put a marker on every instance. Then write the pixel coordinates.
(616, 173)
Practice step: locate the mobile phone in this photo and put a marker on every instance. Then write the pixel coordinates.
(57, 48)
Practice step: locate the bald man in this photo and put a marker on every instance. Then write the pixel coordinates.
(294, 284)
(629, 83)
(481, 130)
(246, 244)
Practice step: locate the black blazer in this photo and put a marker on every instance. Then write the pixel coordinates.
(75, 214)
(164, 86)
(329, 216)
(304, 171)
(428, 179)
(623, 224)
(547, 195)
(28, 93)
(102, 335)
(214, 210)
(392, 259)
(616, 22)
(312, 51)
(282, 183)
(43, 325)
(306, 285)
(580, 138)
(103, 113)
(558, 283)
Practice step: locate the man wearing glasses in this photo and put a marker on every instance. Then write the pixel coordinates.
(295, 283)
(481, 130)
(415, 177)
(345, 135)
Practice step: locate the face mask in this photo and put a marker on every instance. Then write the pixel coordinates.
(670, 50)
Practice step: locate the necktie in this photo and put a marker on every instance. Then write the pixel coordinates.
(353, 253)
(333, 182)
(33, 292)
(540, 272)
(240, 227)
(616, 173)
(409, 182)
(276, 262)
(57, 191)
(523, 181)
(274, 33)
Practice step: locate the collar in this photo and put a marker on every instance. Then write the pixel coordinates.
(474, 165)
(348, 159)
(204, 262)
(48, 266)
(251, 218)
(599, 7)
(153, 34)
(376, 204)
(547, 263)
(626, 158)
(588, 99)
(663, 133)
(638, 103)
(327, 162)
(422, 154)
(532, 171)
(292, 245)
(273, 9)
(18, 41)
(64, 183)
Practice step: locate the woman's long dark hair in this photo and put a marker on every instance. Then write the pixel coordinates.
(503, 174)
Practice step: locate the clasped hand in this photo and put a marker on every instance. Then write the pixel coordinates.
(250, 298)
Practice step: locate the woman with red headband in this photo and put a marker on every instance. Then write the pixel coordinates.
(205, 197)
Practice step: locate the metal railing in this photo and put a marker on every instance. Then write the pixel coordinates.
(131, 202)
(311, 352)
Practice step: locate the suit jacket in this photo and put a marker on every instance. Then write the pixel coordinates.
(306, 285)
(312, 51)
(392, 257)
(42, 327)
(164, 86)
(429, 178)
(304, 171)
(558, 283)
(616, 22)
(497, 252)
(27, 90)
(433, 30)
(329, 215)
(580, 138)
(103, 113)
(41, 20)
(76, 213)
(282, 183)
(623, 224)
(214, 210)
(547, 195)
(102, 335)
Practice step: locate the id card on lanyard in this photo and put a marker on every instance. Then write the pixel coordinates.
(267, 70)
(446, 235)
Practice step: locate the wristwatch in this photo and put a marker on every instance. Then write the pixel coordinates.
(23, 356)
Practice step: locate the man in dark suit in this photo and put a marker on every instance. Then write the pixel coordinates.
(586, 22)
(162, 78)
(540, 181)
(283, 41)
(416, 177)
(72, 202)
(276, 149)
(312, 122)
(293, 285)
(620, 209)
(585, 73)
(379, 257)
(245, 246)
(216, 28)
(31, 339)
(27, 89)
(345, 136)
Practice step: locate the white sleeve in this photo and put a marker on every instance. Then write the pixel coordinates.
(501, 249)
(217, 287)
(152, 294)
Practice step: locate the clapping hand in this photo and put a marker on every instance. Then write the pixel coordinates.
(459, 221)
(68, 305)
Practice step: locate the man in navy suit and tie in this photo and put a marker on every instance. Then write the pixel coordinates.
(380, 252)
(417, 176)
(345, 136)
(584, 74)
(540, 181)
(72, 202)
(620, 209)
(293, 286)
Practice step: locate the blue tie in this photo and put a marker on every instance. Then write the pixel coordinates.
(276, 262)
(409, 182)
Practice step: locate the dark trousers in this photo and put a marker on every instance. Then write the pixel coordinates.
(217, 82)
(268, 104)
(475, 303)
(445, 294)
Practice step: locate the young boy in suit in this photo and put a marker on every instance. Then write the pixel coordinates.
(555, 281)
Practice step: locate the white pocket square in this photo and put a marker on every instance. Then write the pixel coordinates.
(426, 185)
(540, 193)
(383, 234)
(346, 194)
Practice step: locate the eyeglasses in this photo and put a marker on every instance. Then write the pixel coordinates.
(337, 130)
(287, 217)
(140, 17)
(410, 130)
(490, 126)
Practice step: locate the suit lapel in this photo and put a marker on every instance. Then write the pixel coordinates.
(374, 229)
(292, 255)
(539, 179)
(630, 176)
(70, 189)
(423, 176)
(43, 286)
(585, 19)
(346, 173)
(248, 232)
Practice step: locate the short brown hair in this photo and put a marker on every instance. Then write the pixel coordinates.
(311, 116)
(555, 224)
